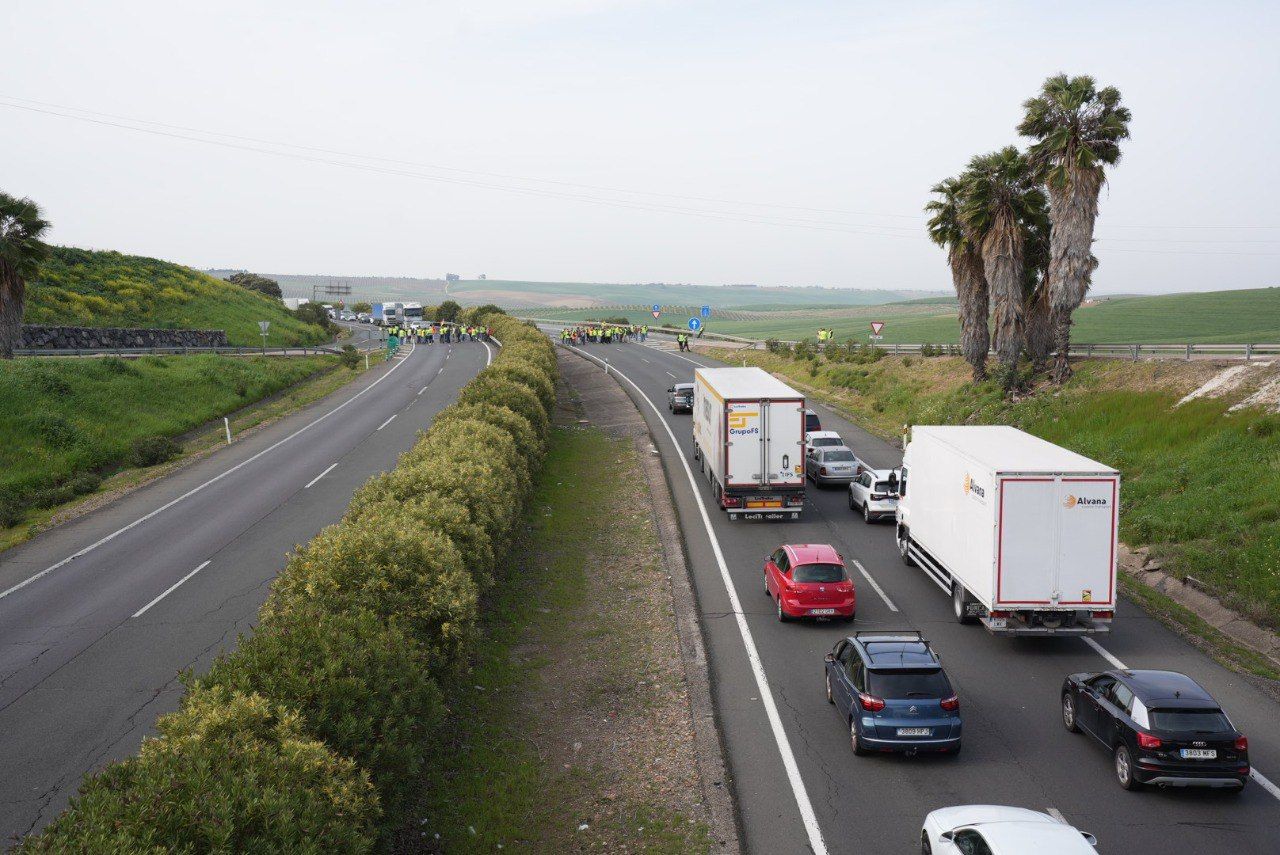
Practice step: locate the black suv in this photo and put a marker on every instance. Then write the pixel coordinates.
(680, 398)
(1161, 728)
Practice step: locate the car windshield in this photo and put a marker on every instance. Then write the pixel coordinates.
(883, 487)
(818, 573)
(842, 455)
(1189, 721)
(684, 390)
(824, 441)
(909, 683)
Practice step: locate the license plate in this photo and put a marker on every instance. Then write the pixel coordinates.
(822, 611)
(1198, 754)
(913, 731)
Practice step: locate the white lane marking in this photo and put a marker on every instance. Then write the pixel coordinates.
(327, 470)
(488, 354)
(424, 388)
(863, 570)
(642, 359)
(387, 422)
(687, 359)
(672, 376)
(1106, 654)
(140, 612)
(140, 520)
(807, 815)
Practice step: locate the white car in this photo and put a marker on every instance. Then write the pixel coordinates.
(874, 493)
(999, 830)
(822, 439)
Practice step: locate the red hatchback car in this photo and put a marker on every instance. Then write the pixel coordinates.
(809, 580)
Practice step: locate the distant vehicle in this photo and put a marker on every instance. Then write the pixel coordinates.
(388, 314)
(748, 438)
(680, 398)
(821, 439)
(811, 421)
(838, 465)
(348, 316)
(809, 580)
(891, 692)
(364, 317)
(1161, 727)
(1021, 533)
(874, 493)
(999, 830)
(411, 313)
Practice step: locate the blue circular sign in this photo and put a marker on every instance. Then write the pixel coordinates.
(695, 324)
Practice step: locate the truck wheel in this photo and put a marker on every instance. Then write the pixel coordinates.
(959, 602)
(904, 542)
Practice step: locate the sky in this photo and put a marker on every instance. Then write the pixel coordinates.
(780, 143)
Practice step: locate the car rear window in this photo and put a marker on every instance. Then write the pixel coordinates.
(840, 456)
(909, 683)
(1189, 721)
(818, 573)
(883, 487)
(823, 441)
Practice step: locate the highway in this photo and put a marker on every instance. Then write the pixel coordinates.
(798, 785)
(98, 616)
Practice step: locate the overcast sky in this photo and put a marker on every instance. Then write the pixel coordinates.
(823, 124)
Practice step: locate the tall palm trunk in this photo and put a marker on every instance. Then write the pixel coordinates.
(1039, 327)
(971, 289)
(1074, 208)
(1002, 265)
(12, 295)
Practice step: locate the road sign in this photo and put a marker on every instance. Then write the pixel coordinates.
(655, 311)
(695, 324)
(262, 325)
(706, 311)
(876, 327)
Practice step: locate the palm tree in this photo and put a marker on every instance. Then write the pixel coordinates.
(21, 252)
(1001, 201)
(946, 230)
(1037, 307)
(1077, 128)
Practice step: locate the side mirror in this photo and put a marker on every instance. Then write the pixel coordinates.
(947, 835)
(1089, 838)
(672, 389)
(830, 657)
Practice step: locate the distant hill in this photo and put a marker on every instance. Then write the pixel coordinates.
(81, 287)
(522, 294)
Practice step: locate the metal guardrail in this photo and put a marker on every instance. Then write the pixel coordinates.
(1134, 352)
(174, 351)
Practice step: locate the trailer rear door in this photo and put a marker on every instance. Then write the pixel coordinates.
(744, 439)
(1027, 530)
(784, 444)
(1086, 548)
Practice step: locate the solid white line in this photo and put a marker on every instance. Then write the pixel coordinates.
(387, 422)
(170, 590)
(863, 570)
(488, 354)
(807, 816)
(140, 520)
(1106, 654)
(321, 475)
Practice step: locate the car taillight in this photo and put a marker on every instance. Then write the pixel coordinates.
(845, 587)
(1242, 743)
(870, 702)
(1147, 741)
(950, 704)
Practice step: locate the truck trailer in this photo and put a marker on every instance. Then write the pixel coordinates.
(1020, 533)
(748, 439)
(388, 314)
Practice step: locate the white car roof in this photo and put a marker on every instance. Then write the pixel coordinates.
(1015, 830)
(822, 434)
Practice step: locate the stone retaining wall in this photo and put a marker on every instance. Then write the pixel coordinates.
(93, 338)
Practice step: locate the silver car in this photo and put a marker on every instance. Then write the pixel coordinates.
(832, 465)
(874, 492)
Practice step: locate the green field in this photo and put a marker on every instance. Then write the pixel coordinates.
(1204, 318)
(84, 288)
(65, 422)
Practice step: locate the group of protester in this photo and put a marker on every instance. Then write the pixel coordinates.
(599, 333)
(825, 336)
(439, 331)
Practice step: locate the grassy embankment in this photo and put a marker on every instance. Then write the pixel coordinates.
(80, 287)
(67, 423)
(1201, 484)
(1216, 317)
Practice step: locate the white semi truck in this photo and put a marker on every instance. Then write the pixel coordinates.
(1019, 532)
(748, 437)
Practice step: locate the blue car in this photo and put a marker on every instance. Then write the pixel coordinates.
(891, 691)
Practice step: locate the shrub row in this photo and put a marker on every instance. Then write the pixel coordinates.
(311, 735)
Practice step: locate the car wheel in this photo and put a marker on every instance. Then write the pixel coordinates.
(1069, 713)
(1124, 768)
(782, 615)
(853, 506)
(767, 593)
(904, 543)
(925, 848)
(830, 698)
(959, 603)
(849, 618)
(954, 752)
(866, 513)
(854, 741)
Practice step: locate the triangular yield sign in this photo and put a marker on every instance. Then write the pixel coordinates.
(876, 326)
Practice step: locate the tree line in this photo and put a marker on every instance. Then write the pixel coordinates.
(1018, 228)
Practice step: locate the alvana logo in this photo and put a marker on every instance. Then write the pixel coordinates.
(973, 487)
(1070, 501)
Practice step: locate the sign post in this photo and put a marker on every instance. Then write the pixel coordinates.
(655, 311)
(262, 326)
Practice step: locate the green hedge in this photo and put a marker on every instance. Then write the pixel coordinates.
(311, 735)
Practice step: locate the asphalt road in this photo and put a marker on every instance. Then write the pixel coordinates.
(92, 630)
(1016, 751)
